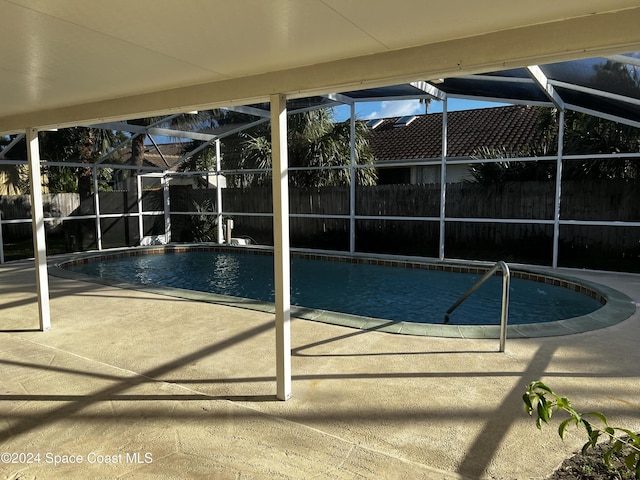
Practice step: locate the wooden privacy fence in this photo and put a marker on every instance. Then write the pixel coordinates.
(596, 200)
(13, 207)
(581, 200)
(584, 200)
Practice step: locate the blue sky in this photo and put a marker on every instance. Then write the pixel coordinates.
(399, 108)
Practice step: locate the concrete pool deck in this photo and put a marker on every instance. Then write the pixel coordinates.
(139, 385)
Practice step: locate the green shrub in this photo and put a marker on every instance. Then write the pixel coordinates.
(204, 227)
(620, 441)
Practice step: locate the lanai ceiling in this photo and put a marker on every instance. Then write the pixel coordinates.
(71, 62)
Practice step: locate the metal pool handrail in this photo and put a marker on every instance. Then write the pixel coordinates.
(506, 281)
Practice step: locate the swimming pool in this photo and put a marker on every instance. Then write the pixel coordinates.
(358, 291)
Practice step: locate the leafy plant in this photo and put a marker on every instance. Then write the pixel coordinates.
(621, 441)
(314, 140)
(204, 225)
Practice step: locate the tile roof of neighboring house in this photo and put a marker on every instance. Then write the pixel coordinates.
(511, 127)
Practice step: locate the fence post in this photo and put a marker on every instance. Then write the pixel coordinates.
(167, 208)
(139, 199)
(558, 193)
(352, 182)
(218, 193)
(96, 201)
(443, 181)
(1, 241)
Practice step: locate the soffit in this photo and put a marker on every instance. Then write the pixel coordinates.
(66, 54)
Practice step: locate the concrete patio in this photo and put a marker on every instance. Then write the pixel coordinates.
(137, 385)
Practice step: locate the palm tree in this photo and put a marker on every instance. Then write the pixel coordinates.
(314, 140)
(13, 178)
(505, 171)
(588, 134)
(584, 134)
(205, 158)
(78, 145)
(185, 121)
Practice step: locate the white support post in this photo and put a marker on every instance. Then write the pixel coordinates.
(352, 182)
(218, 192)
(96, 202)
(282, 279)
(139, 199)
(556, 213)
(166, 196)
(37, 222)
(443, 180)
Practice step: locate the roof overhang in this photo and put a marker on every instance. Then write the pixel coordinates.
(69, 62)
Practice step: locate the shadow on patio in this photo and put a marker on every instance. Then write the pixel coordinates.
(194, 384)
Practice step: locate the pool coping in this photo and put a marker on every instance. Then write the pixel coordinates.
(616, 307)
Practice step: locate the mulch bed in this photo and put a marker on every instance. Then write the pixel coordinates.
(591, 466)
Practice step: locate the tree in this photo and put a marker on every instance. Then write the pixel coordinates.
(586, 134)
(314, 140)
(583, 134)
(234, 145)
(75, 145)
(507, 171)
(185, 121)
(204, 159)
(13, 177)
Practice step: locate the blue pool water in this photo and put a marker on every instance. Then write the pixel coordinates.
(393, 293)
